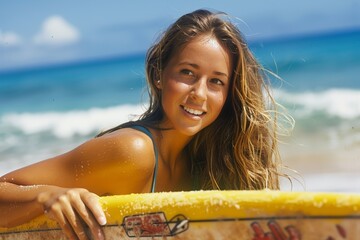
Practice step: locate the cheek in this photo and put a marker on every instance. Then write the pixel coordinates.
(219, 100)
(171, 95)
(173, 89)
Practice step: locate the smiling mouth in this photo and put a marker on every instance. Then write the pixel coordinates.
(193, 111)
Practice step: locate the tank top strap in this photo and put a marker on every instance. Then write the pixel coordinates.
(147, 132)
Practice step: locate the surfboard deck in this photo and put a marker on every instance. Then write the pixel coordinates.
(253, 215)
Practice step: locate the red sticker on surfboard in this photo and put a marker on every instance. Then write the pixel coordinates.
(154, 224)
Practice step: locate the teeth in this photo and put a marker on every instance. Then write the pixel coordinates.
(193, 111)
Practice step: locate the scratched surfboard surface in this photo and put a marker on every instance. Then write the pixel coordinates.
(253, 215)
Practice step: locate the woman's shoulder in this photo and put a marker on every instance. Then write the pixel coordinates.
(129, 145)
(123, 161)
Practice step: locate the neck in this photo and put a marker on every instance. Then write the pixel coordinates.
(171, 146)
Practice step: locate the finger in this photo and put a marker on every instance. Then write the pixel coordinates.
(73, 218)
(94, 226)
(88, 217)
(91, 200)
(54, 212)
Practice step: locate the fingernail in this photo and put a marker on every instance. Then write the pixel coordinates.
(102, 220)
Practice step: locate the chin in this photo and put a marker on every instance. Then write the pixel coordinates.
(191, 131)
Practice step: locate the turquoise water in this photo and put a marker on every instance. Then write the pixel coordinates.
(76, 86)
(48, 110)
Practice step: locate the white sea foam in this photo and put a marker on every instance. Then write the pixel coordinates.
(71, 123)
(342, 103)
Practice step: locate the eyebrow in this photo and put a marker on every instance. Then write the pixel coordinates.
(197, 67)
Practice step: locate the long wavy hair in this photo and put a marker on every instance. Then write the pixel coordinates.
(239, 149)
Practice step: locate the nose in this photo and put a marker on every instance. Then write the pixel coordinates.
(200, 90)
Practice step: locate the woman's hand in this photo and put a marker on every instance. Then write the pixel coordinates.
(74, 210)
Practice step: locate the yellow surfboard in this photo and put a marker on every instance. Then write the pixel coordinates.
(253, 215)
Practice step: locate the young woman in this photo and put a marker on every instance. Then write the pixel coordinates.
(208, 126)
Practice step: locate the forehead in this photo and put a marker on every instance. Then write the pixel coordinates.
(205, 50)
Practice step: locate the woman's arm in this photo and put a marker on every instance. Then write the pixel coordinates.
(53, 187)
(18, 203)
(69, 207)
(67, 187)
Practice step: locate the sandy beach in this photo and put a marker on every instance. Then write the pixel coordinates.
(321, 164)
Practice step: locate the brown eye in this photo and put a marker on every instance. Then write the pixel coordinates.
(217, 81)
(187, 72)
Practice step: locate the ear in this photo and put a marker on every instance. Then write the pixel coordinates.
(158, 84)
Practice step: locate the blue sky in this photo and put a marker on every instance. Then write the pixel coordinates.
(44, 32)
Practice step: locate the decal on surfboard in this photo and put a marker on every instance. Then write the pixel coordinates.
(154, 224)
(292, 233)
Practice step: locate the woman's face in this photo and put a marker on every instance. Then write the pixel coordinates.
(195, 84)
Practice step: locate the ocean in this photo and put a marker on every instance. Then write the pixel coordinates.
(49, 110)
